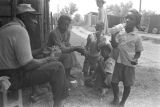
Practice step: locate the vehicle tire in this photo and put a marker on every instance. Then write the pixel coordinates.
(155, 30)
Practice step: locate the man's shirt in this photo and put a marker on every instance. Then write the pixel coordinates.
(15, 49)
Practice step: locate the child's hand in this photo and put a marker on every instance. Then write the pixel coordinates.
(113, 41)
(86, 53)
(101, 59)
(79, 49)
(134, 61)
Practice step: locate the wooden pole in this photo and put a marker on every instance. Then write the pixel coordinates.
(41, 22)
(51, 21)
(140, 5)
(102, 15)
(13, 8)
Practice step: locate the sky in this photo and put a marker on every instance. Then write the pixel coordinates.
(86, 6)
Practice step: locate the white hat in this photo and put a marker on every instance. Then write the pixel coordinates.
(23, 8)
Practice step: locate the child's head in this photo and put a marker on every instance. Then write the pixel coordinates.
(106, 50)
(99, 26)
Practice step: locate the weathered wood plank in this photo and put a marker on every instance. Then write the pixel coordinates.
(5, 10)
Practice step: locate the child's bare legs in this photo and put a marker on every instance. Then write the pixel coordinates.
(115, 89)
(86, 67)
(126, 93)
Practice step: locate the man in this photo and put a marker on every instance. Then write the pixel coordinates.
(102, 15)
(127, 50)
(16, 59)
(60, 37)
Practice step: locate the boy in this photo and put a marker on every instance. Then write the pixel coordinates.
(105, 68)
(92, 53)
(127, 50)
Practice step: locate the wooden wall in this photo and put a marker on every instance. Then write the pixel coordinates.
(39, 37)
(7, 10)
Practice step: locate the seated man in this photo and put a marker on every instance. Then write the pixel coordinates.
(60, 37)
(17, 62)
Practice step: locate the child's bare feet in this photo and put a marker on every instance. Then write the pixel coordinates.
(115, 102)
(121, 105)
(104, 91)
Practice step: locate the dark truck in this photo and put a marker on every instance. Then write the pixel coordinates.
(154, 24)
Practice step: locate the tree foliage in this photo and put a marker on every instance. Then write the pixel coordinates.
(77, 18)
(119, 10)
(69, 10)
(148, 13)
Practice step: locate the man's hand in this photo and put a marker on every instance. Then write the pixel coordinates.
(79, 49)
(86, 53)
(50, 59)
(46, 51)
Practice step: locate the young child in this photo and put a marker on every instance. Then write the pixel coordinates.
(127, 50)
(105, 68)
(92, 53)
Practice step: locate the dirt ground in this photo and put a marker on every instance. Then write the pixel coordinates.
(145, 92)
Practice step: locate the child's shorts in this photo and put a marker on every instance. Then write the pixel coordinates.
(123, 73)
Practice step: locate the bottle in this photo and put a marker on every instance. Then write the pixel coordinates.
(57, 51)
(52, 52)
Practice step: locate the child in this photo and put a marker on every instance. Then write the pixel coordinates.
(127, 50)
(92, 53)
(105, 68)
